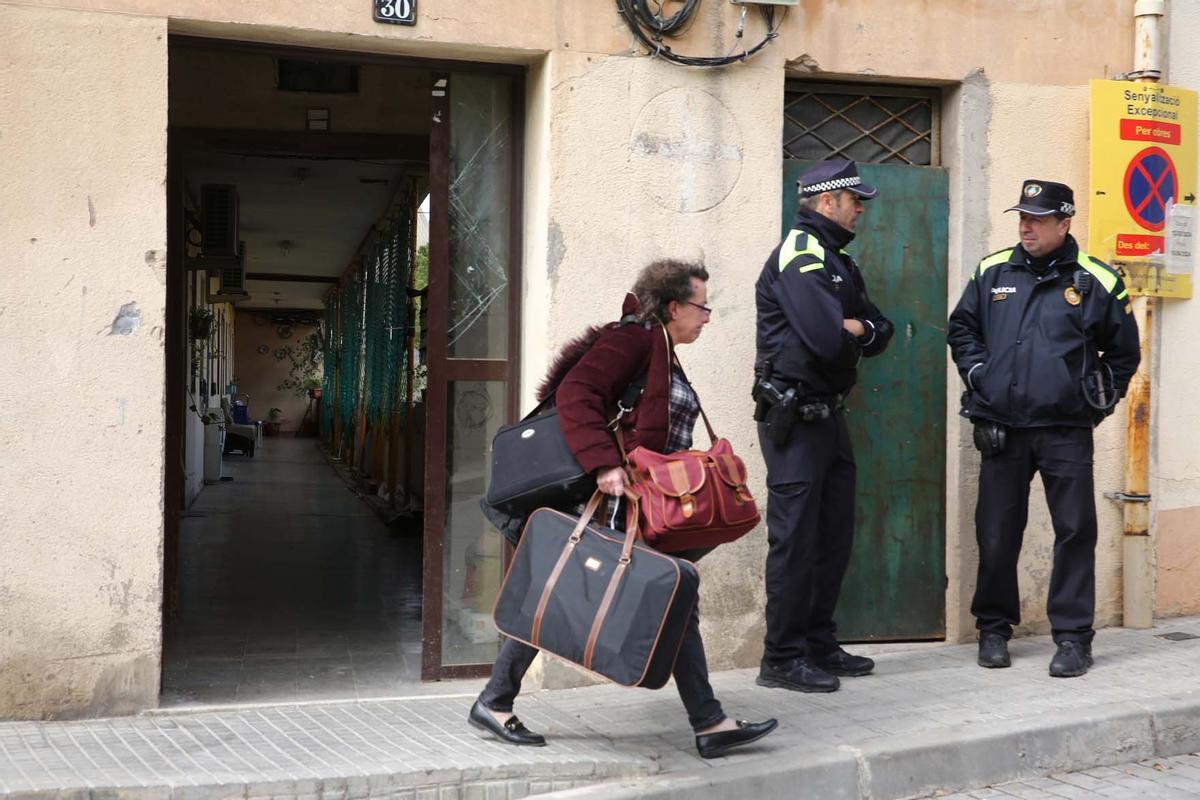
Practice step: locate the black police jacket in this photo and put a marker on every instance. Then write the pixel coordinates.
(807, 287)
(1023, 341)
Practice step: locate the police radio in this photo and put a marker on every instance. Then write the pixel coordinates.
(1099, 386)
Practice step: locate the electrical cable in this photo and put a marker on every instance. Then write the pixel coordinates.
(650, 28)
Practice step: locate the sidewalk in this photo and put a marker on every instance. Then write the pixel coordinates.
(929, 720)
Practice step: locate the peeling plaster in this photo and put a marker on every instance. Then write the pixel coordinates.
(556, 251)
(128, 320)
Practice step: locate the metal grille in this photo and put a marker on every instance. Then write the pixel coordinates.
(874, 125)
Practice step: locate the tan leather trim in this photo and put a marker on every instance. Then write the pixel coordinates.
(548, 590)
(602, 612)
(609, 593)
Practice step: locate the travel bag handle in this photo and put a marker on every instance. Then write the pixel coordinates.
(614, 582)
(589, 511)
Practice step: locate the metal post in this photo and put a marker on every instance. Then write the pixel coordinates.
(1138, 595)
(1138, 591)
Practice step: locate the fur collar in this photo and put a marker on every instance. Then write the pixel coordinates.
(567, 357)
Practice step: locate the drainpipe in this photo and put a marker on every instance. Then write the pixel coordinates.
(1138, 567)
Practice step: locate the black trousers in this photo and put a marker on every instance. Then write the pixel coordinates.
(1063, 455)
(810, 533)
(690, 673)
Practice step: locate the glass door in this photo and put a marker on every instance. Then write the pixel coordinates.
(473, 342)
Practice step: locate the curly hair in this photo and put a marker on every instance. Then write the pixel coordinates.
(663, 281)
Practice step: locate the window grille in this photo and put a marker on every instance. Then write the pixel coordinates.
(871, 125)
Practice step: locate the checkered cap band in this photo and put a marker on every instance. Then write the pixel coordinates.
(829, 186)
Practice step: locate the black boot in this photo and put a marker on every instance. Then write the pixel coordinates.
(799, 675)
(993, 650)
(1071, 660)
(839, 662)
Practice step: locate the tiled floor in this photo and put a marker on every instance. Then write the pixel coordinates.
(292, 589)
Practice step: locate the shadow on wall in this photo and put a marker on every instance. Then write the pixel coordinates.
(261, 356)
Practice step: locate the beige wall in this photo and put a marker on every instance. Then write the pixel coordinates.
(627, 159)
(687, 164)
(83, 238)
(259, 375)
(1175, 478)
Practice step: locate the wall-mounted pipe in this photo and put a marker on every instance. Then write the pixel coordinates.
(1137, 568)
(1147, 41)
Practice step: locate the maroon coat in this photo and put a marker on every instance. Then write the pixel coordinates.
(587, 395)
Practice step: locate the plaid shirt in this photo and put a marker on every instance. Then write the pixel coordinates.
(684, 408)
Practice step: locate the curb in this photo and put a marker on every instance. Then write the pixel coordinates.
(950, 760)
(526, 780)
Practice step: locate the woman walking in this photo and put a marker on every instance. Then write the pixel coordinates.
(588, 378)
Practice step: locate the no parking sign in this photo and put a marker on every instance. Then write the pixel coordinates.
(1143, 184)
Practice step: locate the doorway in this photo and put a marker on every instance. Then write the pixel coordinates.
(352, 222)
(895, 586)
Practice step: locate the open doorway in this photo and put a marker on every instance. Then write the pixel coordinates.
(343, 326)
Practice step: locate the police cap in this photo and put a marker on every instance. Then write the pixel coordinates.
(830, 176)
(1043, 198)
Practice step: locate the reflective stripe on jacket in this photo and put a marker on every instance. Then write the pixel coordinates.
(1018, 338)
(805, 290)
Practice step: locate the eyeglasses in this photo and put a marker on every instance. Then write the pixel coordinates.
(707, 311)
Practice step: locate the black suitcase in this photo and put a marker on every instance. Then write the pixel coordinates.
(533, 467)
(597, 598)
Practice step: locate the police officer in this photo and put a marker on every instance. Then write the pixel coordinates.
(1046, 344)
(815, 321)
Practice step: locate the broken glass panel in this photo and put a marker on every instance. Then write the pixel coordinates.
(480, 192)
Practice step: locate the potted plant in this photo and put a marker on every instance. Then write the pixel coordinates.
(200, 322)
(272, 426)
(314, 388)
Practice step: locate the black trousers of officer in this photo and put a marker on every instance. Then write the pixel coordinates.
(1063, 455)
(810, 532)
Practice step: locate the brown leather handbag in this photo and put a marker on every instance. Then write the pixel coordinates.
(690, 499)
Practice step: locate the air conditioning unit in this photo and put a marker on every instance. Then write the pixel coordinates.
(227, 278)
(219, 220)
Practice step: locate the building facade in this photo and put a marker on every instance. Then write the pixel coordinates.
(617, 159)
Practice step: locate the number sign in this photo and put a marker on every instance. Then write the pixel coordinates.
(397, 12)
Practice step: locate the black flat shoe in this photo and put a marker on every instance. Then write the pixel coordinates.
(511, 732)
(715, 745)
(839, 662)
(799, 675)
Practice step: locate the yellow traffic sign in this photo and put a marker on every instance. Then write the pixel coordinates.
(1143, 184)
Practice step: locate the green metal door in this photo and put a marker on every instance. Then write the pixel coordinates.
(895, 588)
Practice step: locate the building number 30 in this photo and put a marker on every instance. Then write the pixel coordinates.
(395, 9)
